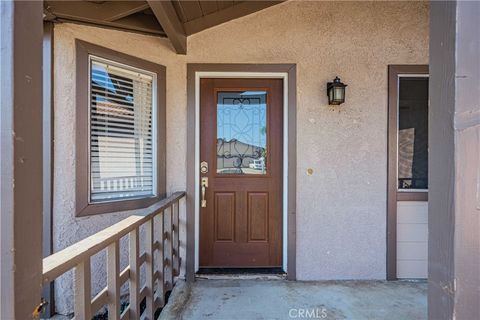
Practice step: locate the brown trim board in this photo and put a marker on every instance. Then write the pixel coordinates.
(392, 195)
(21, 163)
(48, 165)
(83, 207)
(167, 17)
(454, 161)
(290, 69)
(412, 196)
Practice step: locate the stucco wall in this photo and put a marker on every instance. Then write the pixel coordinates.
(66, 228)
(341, 208)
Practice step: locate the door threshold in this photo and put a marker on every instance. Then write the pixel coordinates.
(241, 273)
(258, 276)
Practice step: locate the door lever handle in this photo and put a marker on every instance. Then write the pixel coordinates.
(204, 189)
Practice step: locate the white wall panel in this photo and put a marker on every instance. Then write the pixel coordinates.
(412, 239)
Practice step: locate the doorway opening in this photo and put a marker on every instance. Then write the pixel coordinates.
(241, 169)
(407, 223)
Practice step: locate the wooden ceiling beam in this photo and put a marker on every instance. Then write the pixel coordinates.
(136, 26)
(230, 13)
(83, 10)
(128, 9)
(168, 19)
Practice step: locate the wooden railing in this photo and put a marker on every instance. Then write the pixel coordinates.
(161, 271)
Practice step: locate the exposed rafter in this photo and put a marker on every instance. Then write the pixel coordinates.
(170, 23)
(125, 9)
(92, 11)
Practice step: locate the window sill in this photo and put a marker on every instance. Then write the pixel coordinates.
(87, 209)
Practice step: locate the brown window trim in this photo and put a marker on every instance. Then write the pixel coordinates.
(83, 205)
(412, 196)
(393, 196)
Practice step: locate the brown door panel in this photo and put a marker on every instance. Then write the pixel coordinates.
(241, 139)
(241, 255)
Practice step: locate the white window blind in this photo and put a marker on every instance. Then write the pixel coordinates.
(122, 132)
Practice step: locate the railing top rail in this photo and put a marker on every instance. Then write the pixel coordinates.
(60, 262)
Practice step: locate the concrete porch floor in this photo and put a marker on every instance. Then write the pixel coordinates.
(222, 299)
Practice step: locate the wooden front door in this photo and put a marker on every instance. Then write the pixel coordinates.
(241, 154)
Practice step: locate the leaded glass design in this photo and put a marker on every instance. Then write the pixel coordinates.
(242, 132)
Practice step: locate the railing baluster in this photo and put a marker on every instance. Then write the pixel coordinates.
(168, 265)
(113, 281)
(161, 291)
(82, 289)
(134, 285)
(149, 269)
(176, 239)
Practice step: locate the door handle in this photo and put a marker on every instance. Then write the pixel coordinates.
(204, 189)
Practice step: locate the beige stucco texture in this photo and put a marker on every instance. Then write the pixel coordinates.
(341, 206)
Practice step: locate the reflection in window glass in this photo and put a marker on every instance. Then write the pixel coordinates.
(413, 133)
(242, 132)
(121, 133)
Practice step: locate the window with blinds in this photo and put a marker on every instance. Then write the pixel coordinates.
(122, 130)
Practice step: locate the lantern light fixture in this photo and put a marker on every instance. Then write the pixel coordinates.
(336, 92)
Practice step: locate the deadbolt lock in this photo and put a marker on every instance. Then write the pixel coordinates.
(204, 167)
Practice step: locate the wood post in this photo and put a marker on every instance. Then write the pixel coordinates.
(21, 158)
(134, 285)
(149, 310)
(113, 281)
(82, 290)
(48, 39)
(176, 240)
(454, 161)
(167, 248)
(160, 263)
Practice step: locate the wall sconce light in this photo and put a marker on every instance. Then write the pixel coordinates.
(336, 92)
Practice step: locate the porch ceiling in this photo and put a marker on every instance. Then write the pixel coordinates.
(175, 19)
